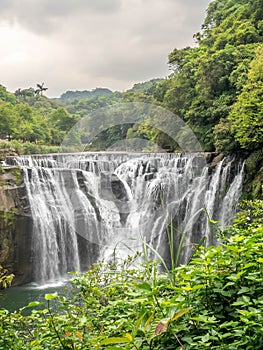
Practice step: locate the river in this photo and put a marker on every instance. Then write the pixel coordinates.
(15, 298)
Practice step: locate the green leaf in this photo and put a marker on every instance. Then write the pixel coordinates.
(115, 340)
(145, 286)
(238, 303)
(137, 325)
(180, 314)
(82, 321)
(239, 238)
(138, 300)
(205, 338)
(249, 265)
(34, 304)
(129, 336)
(51, 296)
(246, 299)
(198, 286)
(149, 321)
(243, 290)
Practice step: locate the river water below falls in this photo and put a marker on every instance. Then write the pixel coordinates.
(16, 298)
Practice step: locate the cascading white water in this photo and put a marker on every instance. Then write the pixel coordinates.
(85, 205)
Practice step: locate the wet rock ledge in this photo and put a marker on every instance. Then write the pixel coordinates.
(15, 225)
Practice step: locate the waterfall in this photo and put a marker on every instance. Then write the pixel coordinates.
(88, 206)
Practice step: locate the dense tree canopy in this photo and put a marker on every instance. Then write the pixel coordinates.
(210, 84)
(247, 112)
(29, 116)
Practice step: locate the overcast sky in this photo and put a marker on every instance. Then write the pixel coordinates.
(84, 44)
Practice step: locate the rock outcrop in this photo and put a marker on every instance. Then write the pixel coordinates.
(15, 226)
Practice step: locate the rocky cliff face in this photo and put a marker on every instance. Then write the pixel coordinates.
(254, 168)
(15, 226)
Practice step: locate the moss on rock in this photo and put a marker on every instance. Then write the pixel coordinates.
(253, 188)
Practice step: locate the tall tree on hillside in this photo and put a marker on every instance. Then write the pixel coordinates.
(40, 89)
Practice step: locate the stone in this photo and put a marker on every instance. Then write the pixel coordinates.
(15, 227)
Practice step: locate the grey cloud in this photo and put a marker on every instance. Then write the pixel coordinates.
(71, 6)
(43, 16)
(5, 4)
(127, 68)
(81, 44)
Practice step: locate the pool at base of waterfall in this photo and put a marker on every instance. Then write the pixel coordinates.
(15, 298)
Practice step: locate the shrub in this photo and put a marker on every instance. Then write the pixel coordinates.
(216, 302)
(16, 147)
(5, 278)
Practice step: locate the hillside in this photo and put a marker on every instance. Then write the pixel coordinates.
(73, 96)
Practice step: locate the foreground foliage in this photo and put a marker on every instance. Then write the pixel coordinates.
(5, 278)
(215, 301)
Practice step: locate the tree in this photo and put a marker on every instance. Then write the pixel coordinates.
(8, 120)
(207, 80)
(24, 94)
(40, 89)
(6, 96)
(247, 112)
(62, 120)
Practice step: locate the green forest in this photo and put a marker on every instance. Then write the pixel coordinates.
(215, 301)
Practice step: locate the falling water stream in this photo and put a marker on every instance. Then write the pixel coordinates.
(86, 206)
